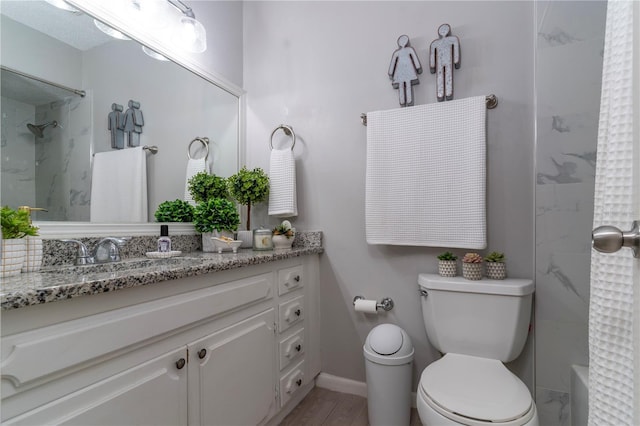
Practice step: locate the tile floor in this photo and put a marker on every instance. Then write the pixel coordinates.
(325, 407)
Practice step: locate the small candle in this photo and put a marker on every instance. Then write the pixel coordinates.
(262, 239)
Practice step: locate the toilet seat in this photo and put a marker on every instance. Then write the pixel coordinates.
(475, 391)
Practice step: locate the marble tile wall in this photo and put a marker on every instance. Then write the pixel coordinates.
(568, 74)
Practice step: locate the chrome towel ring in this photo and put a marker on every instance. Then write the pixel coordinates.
(203, 141)
(288, 130)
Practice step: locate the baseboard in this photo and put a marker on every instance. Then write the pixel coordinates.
(344, 385)
(341, 384)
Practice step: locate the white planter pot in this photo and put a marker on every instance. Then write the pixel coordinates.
(247, 238)
(496, 270)
(33, 255)
(13, 254)
(282, 242)
(447, 268)
(472, 271)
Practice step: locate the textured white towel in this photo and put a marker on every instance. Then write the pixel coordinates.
(194, 166)
(426, 172)
(282, 186)
(611, 305)
(119, 186)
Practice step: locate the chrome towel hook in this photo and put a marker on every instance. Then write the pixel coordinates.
(288, 130)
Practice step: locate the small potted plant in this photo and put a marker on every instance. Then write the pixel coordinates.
(472, 266)
(217, 215)
(16, 225)
(283, 235)
(495, 266)
(174, 211)
(249, 187)
(203, 186)
(447, 265)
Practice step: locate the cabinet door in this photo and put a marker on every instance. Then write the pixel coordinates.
(232, 374)
(152, 393)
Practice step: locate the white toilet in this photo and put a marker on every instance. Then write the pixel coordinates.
(478, 325)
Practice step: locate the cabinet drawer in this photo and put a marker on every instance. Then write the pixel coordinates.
(291, 348)
(290, 279)
(291, 383)
(290, 313)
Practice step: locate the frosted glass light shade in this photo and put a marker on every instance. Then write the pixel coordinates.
(191, 35)
(154, 14)
(110, 31)
(61, 4)
(153, 54)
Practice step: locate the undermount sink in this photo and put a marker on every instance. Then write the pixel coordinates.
(123, 266)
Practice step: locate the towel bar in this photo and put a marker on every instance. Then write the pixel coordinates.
(152, 149)
(491, 101)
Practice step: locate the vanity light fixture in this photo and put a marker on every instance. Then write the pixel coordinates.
(152, 53)
(190, 33)
(110, 31)
(61, 4)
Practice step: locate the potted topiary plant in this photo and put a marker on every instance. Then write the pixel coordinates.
(217, 215)
(249, 187)
(496, 268)
(174, 211)
(203, 187)
(283, 235)
(447, 265)
(472, 266)
(16, 225)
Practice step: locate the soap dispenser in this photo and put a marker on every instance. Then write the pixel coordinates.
(164, 242)
(33, 258)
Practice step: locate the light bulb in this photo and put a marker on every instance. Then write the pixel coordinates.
(153, 54)
(191, 35)
(110, 31)
(154, 14)
(61, 4)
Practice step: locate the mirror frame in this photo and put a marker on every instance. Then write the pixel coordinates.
(101, 12)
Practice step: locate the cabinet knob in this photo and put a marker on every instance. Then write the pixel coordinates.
(299, 382)
(297, 278)
(202, 353)
(180, 363)
(298, 347)
(297, 312)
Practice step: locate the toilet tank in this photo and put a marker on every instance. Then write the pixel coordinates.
(485, 318)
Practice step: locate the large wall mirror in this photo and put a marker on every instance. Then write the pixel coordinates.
(50, 166)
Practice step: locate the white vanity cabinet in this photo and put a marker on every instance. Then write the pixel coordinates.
(204, 350)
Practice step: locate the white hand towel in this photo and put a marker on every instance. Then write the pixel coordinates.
(194, 166)
(282, 186)
(119, 186)
(426, 172)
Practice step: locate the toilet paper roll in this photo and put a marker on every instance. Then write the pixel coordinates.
(366, 306)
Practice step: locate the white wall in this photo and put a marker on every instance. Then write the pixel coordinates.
(317, 66)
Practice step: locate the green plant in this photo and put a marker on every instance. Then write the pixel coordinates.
(203, 187)
(283, 229)
(447, 255)
(16, 224)
(216, 214)
(249, 187)
(174, 211)
(472, 258)
(495, 256)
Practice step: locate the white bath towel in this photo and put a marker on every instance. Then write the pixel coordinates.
(282, 186)
(426, 173)
(194, 166)
(119, 186)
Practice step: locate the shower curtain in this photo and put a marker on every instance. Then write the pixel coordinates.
(613, 315)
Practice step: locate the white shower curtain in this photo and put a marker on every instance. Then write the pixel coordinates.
(613, 318)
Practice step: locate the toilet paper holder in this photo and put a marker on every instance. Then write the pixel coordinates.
(386, 303)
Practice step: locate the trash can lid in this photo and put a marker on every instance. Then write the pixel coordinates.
(386, 339)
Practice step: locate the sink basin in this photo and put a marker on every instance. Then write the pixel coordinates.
(130, 265)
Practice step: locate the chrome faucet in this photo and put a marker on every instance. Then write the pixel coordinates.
(107, 250)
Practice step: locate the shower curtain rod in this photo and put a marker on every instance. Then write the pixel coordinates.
(80, 93)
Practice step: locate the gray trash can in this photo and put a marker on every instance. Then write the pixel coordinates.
(388, 354)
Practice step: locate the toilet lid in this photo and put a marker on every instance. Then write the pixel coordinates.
(478, 388)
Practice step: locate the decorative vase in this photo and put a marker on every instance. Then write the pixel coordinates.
(207, 244)
(496, 270)
(33, 254)
(472, 271)
(282, 242)
(13, 254)
(262, 239)
(447, 268)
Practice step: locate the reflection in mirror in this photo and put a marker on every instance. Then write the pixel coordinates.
(54, 171)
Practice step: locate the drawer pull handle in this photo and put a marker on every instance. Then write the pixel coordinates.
(297, 312)
(298, 347)
(299, 382)
(202, 353)
(181, 363)
(297, 278)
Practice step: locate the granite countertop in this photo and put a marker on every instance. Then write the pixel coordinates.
(66, 282)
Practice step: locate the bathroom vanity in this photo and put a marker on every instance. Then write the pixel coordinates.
(212, 339)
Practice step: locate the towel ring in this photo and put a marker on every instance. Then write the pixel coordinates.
(203, 141)
(288, 130)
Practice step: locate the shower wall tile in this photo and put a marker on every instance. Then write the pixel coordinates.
(568, 79)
